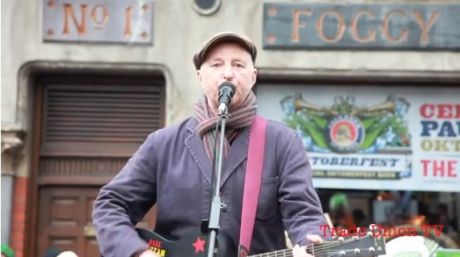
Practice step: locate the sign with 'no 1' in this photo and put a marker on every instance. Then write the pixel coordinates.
(104, 21)
(372, 26)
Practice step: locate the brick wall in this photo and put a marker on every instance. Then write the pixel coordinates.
(18, 222)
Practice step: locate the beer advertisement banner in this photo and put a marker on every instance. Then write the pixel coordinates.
(388, 138)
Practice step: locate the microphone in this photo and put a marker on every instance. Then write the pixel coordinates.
(226, 92)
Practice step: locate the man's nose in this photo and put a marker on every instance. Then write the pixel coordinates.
(228, 72)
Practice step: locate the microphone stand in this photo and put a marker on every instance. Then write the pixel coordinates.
(216, 203)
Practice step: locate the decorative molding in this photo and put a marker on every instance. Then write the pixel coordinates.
(12, 139)
(88, 167)
(12, 143)
(423, 77)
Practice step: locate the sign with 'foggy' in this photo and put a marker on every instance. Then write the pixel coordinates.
(371, 26)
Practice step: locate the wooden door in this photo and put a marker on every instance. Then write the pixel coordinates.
(88, 128)
(65, 219)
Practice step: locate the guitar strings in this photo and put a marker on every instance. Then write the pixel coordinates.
(318, 249)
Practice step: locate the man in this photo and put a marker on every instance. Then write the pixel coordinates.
(173, 168)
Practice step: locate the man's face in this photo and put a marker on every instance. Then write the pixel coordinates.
(227, 62)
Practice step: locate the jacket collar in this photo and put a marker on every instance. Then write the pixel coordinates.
(236, 156)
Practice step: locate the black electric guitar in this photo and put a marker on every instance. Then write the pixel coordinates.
(195, 245)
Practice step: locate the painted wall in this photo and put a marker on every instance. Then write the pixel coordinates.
(178, 31)
(7, 188)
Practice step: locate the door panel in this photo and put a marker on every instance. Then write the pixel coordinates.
(66, 222)
(64, 212)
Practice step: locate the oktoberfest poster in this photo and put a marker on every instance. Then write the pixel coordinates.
(362, 137)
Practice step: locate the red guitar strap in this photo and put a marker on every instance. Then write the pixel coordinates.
(252, 183)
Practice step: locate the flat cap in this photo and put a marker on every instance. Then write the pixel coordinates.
(224, 37)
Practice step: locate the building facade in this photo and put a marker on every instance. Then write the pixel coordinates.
(84, 82)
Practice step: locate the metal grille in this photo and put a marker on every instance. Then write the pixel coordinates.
(101, 113)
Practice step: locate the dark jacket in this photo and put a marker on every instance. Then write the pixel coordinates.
(171, 168)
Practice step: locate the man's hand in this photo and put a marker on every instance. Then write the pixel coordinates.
(301, 251)
(67, 254)
(148, 253)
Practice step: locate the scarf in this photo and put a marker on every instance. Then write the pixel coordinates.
(237, 119)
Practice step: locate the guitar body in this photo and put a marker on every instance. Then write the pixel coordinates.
(192, 244)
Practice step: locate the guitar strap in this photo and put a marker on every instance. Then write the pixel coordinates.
(252, 183)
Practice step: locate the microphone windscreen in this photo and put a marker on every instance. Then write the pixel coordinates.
(226, 88)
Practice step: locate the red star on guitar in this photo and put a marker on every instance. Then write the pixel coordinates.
(199, 245)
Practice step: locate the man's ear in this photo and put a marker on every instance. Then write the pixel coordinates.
(198, 75)
(254, 77)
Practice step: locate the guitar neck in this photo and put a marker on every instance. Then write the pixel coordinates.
(317, 250)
